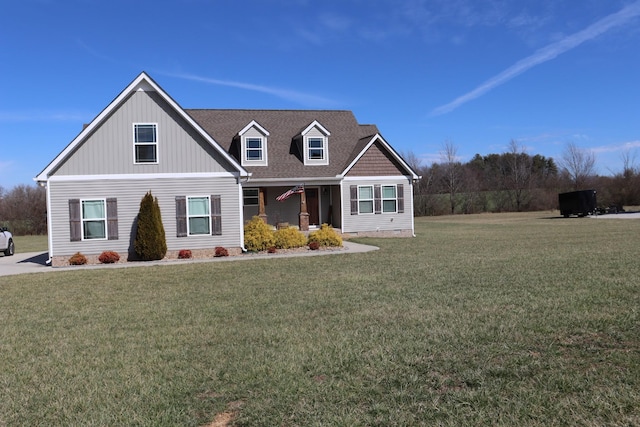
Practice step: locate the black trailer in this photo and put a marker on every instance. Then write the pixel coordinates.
(581, 203)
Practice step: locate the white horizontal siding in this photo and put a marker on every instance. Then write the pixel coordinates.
(129, 194)
(377, 222)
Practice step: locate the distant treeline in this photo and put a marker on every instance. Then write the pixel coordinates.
(23, 210)
(510, 181)
(516, 181)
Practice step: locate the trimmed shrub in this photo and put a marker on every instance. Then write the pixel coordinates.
(289, 237)
(150, 242)
(78, 259)
(221, 251)
(184, 254)
(326, 236)
(109, 257)
(258, 236)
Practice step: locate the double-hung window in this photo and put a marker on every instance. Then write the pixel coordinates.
(316, 148)
(365, 199)
(94, 219)
(198, 215)
(145, 142)
(376, 199)
(254, 149)
(389, 199)
(250, 196)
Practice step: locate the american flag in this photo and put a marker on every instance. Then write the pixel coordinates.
(295, 190)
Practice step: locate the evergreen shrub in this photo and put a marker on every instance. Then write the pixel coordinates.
(77, 259)
(258, 235)
(221, 251)
(289, 237)
(184, 254)
(150, 242)
(326, 236)
(109, 257)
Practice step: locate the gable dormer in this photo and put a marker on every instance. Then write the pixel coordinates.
(315, 144)
(253, 145)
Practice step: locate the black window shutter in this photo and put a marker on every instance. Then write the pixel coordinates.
(181, 216)
(112, 218)
(377, 199)
(216, 216)
(354, 199)
(400, 195)
(75, 221)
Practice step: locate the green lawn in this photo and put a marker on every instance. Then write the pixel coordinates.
(30, 243)
(495, 319)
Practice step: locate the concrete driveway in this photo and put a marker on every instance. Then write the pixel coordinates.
(30, 262)
(35, 262)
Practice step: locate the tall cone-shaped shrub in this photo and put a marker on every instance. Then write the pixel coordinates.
(150, 243)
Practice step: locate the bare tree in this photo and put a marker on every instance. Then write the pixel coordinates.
(517, 173)
(629, 163)
(579, 164)
(24, 210)
(452, 177)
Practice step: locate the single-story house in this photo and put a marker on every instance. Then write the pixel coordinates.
(212, 170)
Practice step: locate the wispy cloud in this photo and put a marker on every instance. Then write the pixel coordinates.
(290, 95)
(545, 54)
(615, 148)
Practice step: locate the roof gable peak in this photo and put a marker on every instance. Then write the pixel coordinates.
(317, 125)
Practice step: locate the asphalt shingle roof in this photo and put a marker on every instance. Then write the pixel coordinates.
(345, 140)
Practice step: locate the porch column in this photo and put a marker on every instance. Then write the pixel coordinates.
(261, 212)
(303, 218)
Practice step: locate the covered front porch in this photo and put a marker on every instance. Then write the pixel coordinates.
(304, 206)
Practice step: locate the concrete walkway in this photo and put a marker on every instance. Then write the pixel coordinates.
(35, 262)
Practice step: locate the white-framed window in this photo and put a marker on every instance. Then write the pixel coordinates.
(250, 196)
(365, 199)
(316, 148)
(198, 215)
(145, 143)
(389, 199)
(94, 219)
(254, 149)
(315, 144)
(254, 145)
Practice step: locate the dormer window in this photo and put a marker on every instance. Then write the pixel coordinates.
(315, 144)
(254, 145)
(316, 148)
(254, 149)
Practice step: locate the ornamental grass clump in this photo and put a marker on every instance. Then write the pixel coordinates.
(290, 237)
(326, 236)
(109, 257)
(258, 235)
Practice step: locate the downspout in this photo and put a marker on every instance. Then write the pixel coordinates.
(49, 233)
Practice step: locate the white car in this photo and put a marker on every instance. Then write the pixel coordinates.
(6, 242)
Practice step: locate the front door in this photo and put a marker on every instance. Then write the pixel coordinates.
(313, 205)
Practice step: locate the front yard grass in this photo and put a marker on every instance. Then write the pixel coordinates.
(514, 319)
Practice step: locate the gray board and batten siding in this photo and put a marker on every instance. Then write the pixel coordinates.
(109, 149)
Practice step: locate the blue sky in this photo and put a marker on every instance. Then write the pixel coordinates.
(477, 74)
